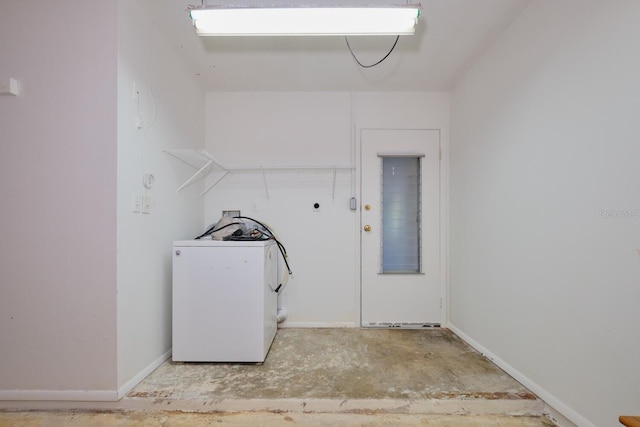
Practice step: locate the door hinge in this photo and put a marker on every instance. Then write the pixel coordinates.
(440, 153)
(440, 302)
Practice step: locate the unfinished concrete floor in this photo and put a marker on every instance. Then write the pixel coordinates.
(332, 377)
(262, 419)
(343, 364)
(341, 370)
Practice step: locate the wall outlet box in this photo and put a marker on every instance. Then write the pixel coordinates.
(9, 87)
(147, 201)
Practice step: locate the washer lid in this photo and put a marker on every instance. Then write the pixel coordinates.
(222, 243)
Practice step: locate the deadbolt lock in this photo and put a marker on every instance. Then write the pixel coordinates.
(367, 207)
(367, 228)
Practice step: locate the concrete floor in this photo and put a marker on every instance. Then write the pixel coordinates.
(428, 371)
(175, 419)
(343, 364)
(316, 377)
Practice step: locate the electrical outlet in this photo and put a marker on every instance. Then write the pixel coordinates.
(136, 203)
(147, 201)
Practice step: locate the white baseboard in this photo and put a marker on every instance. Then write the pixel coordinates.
(287, 324)
(557, 418)
(83, 395)
(558, 411)
(60, 395)
(129, 385)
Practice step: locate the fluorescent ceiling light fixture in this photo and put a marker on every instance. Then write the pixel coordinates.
(304, 20)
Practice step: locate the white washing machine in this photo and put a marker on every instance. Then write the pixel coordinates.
(224, 300)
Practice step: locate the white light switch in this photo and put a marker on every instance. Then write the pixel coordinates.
(136, 203)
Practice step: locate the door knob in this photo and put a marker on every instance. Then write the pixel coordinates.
(367, 228)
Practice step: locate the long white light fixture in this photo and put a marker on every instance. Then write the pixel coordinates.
(304, 20)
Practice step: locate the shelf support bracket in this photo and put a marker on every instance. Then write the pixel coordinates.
(214, 184)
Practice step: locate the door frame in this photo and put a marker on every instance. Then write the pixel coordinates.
(444, 218)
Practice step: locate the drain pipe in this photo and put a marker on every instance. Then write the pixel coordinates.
(282, 315)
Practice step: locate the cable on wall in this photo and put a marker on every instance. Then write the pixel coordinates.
(372, 65)
(147, 178)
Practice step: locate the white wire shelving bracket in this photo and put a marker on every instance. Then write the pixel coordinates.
(205, 164)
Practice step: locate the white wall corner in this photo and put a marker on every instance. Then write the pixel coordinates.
(135, 380)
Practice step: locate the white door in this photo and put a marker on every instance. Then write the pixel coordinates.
(400, 228)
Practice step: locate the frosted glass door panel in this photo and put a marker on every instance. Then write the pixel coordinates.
(400, 197)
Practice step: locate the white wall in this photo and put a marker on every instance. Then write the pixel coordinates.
(71, 160)
(296, 129)
(545, 148)
(58, 186)
(171, 106)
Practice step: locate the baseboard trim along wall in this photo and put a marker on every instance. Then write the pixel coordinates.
(557, 408)
(60, 395)
(83, 395)
(285, 325)
(129, 385)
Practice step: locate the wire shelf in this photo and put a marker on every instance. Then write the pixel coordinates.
(205, 164)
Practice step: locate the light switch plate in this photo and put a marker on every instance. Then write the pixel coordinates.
(136, 203)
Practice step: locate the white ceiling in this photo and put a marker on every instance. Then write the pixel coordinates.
(449, 37)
